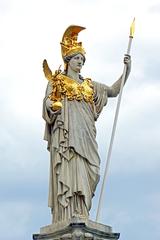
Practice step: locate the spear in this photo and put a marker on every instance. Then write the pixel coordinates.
(132, 28)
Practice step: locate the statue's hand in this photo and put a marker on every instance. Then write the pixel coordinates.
(127, 59)
(49, 105)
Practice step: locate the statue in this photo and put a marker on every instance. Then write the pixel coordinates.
(71, 106)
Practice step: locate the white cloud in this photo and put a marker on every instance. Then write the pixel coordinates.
(14, 218)
(136, 144)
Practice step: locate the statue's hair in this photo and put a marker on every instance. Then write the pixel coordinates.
(68, 58)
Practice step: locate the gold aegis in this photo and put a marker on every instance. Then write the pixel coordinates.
(71, 89)
(69, 43)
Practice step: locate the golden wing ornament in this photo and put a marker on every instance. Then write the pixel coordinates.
(47, 71)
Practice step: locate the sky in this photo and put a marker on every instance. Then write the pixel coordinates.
(31, 31)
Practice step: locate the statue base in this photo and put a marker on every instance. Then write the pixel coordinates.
(76, 229)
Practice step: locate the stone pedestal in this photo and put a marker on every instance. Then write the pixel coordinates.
(76, 229)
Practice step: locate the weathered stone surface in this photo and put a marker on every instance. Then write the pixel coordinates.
(76, 229)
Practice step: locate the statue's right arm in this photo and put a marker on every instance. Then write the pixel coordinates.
(48, 114)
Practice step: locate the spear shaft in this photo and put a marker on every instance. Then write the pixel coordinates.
(114, 124)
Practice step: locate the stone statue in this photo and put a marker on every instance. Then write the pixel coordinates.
(71, 106)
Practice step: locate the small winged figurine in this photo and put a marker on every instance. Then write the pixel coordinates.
(56, 93)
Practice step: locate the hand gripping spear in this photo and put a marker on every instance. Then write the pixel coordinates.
(132, 28)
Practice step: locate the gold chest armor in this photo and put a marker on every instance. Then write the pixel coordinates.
(63, 86)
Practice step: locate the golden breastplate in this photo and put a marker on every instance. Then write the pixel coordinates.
(64, 86)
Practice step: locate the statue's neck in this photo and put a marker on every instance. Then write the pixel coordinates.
(73, 74)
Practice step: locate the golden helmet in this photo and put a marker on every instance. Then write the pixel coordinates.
(69, 44)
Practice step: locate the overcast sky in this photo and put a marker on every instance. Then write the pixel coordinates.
(31, 31)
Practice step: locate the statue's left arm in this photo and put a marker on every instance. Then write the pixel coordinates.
(114, 90)
(102, 91)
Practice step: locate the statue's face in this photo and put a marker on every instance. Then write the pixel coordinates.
(76, 62)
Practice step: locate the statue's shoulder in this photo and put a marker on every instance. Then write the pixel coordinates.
(97, 84)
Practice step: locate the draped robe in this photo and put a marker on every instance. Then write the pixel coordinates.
(74, 159)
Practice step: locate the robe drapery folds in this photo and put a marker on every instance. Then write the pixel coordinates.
(74, 159)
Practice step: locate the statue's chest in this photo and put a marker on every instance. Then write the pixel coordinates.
(73, 90)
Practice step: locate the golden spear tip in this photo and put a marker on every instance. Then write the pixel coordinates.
(132, 28)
